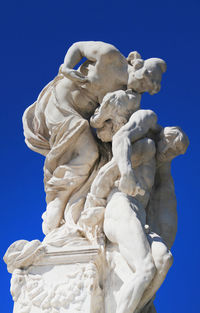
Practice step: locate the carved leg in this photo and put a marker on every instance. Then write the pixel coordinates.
(163, 261)
(122, 226)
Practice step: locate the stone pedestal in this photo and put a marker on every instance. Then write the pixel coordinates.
(64, 281)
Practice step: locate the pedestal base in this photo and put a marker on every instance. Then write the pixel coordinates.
(60, 282)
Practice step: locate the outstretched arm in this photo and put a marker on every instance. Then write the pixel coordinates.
(140, 123)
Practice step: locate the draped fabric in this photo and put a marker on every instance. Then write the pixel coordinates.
(57, 134)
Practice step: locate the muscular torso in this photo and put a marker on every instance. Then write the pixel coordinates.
(144, 165)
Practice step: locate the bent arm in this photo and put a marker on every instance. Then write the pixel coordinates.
(92, 50)
(77, 51)
(138, 126)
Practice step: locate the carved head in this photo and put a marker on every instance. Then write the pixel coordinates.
(173, 142)
(145, 75)
(114, 111)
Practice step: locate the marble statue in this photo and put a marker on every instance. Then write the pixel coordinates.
(125, 213)
(111, 218)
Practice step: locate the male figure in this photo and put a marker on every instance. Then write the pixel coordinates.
(125, 216)
(161, 210)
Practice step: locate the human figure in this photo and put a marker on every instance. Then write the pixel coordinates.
(56, 125)
(125, 216)
(59, 118)
(161, 210)
(120, 105)
(145, 75)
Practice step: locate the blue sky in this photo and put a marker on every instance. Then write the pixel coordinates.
(35, 36)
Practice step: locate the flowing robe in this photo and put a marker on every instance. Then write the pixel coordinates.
(64, 137)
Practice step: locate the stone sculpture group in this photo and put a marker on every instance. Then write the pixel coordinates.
(111, 218)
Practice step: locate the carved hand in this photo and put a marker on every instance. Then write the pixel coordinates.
(73, 75)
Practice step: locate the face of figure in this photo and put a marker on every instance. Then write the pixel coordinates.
(148, 77)
(108, 130)
(166, 151)
(173, 142)
(114, 112)
(105, 119)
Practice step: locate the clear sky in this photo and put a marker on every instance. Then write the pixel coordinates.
(35, 36)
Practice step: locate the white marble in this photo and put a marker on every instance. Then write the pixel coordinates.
(111, 217)
(59, 282)
(132, 202)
